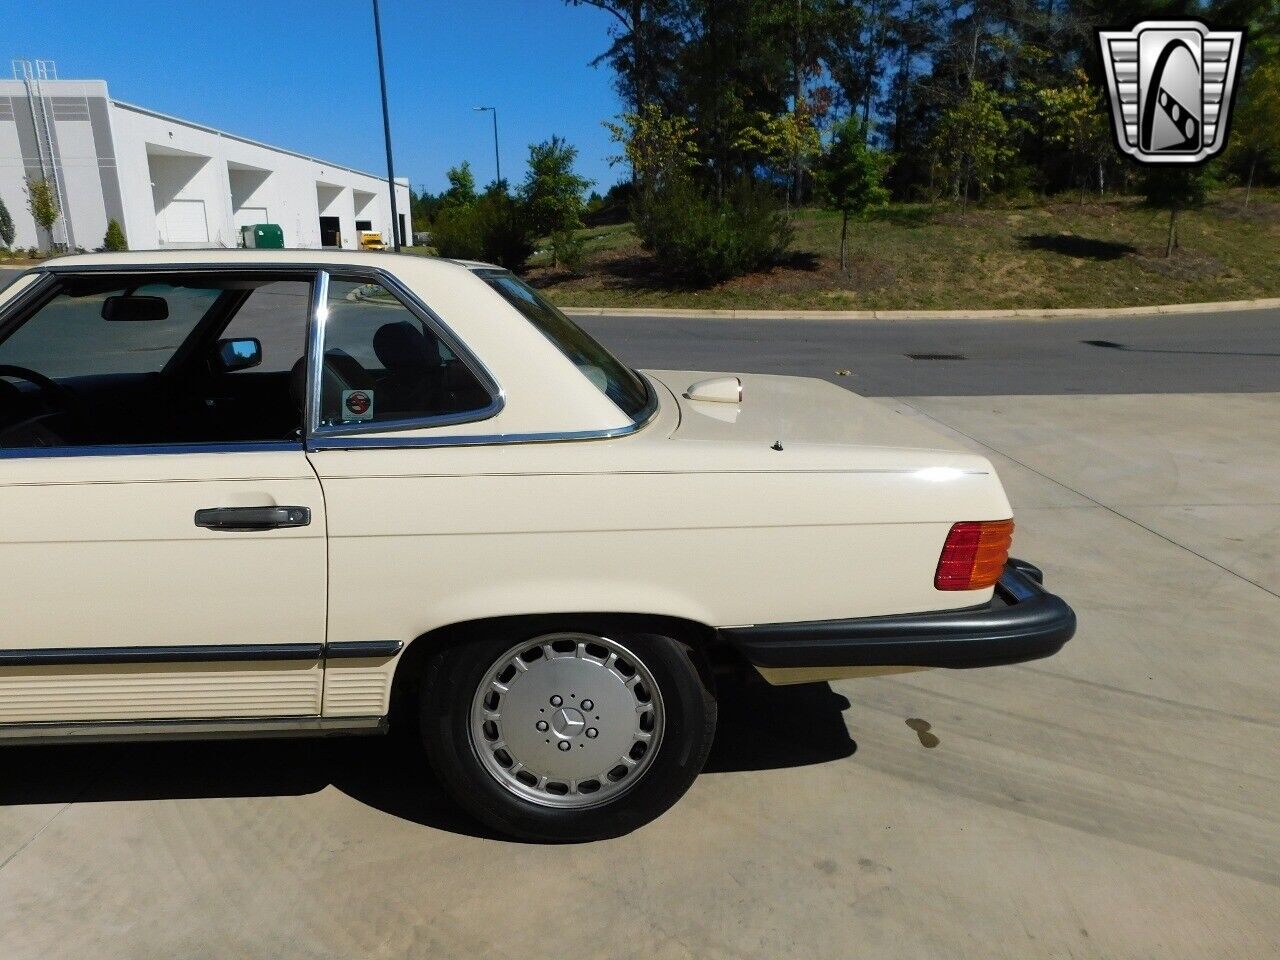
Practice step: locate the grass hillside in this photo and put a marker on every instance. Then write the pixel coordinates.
(921, 256)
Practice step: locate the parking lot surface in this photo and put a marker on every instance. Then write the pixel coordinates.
(1118, 800)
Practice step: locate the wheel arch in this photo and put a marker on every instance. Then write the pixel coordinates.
(708, 652)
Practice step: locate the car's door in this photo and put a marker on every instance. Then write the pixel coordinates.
(158, 561)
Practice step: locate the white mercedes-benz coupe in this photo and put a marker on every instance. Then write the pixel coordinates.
(256, 493)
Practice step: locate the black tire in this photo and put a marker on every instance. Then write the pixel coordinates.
(450, 679)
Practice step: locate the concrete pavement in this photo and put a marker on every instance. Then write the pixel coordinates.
(1117, 800)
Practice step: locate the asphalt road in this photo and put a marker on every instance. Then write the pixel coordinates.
(1236, 352)
(1193, 353)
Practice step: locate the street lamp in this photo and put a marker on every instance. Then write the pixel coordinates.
(497, 162)
(386, 131)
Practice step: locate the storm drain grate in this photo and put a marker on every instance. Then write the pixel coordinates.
(936, 356)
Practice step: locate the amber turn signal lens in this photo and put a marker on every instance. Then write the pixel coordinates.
(974, 555)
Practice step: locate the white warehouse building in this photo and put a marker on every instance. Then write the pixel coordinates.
(170, 182)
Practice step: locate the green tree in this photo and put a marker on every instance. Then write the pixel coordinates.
(786, 143)
(114, 241)
(1255, 132)
(1177, 188)
(494, 229)
(462, 186)
(7, 232)
(552, 196)
(1074, 118)
(851, 178)
(658, 146)
(646, 46)
(974, 140)
(43, 203)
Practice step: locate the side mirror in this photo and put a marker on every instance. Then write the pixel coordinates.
(131, 309)
(238, 354)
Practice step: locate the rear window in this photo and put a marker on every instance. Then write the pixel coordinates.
(610, 376)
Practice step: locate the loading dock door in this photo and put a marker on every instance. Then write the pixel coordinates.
(185, 222)
(330, 235)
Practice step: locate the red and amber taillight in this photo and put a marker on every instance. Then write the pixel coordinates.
(974, 555)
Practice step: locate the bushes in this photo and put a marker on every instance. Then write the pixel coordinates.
(567, 250)
(706, 241)
(7, 231)
(114, 241)
(493, 228)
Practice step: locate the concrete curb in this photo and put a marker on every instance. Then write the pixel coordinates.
(1101, 313)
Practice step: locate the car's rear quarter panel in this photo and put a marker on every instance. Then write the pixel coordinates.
(719, 534)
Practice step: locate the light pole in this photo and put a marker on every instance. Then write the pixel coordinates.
(386, 131)
(497, 162)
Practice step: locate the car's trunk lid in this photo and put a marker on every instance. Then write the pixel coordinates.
(798, 409)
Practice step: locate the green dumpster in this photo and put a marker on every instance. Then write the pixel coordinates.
(263, 236)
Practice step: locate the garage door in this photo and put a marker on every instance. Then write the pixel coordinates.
(248, 216)
(185, 222)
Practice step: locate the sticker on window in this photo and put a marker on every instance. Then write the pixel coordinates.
(357, 404)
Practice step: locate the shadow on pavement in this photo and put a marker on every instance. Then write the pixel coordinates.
(1112, 345)
(772, 728)
(761, 727)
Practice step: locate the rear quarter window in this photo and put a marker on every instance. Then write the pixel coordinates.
(605, 371)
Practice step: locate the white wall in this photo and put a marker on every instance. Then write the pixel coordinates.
(12, 180)
(77, 113)
(289, 192)
(148, 152)
(81, 182)
(253, 196)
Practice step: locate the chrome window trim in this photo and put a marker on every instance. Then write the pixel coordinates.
(462, 440)
(485, 440)
(141, 450)
(43, 286)
(48, 274)
(414, 304)
(484, 272)
(315, 349)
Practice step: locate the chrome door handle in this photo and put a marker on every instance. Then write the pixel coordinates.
(252, 518)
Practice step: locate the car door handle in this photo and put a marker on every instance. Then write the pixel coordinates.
(252, 518)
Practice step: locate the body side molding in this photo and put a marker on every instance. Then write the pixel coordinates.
(230, 728)
(201, 653)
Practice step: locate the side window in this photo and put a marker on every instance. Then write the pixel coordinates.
(151, 359)
(88, 331)
(276, 316)
(382, 363)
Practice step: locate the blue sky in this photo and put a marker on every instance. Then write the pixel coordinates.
(303, 74)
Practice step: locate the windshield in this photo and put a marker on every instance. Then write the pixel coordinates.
(610, 376)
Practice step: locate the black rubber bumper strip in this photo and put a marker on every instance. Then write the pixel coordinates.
(1022, 622)
(201, 653)
(362, 649)
(198, 653)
